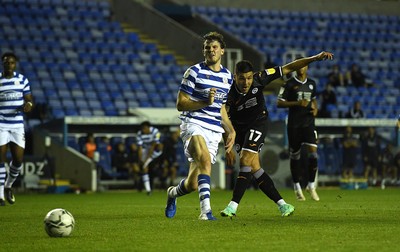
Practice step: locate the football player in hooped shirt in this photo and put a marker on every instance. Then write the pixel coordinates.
(248, 114)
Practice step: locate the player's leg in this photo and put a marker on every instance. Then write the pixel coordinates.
(312, 172)
(16, 145)
(295, 162)
(3, 151)
(310, 140)
(242, 182)
(17, 153)
(267, 186)
(185, 186)
(367, 168)
(200, 154)
(146, 175)
(203, 155)
(248, 142)
(150, 161)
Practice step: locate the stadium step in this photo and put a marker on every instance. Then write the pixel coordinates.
(162, 49)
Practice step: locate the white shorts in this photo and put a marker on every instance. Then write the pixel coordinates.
(12, 135)
(211, 138)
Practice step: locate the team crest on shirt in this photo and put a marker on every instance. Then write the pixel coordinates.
(310, 87)
(255, 90)
(17, 82)
(225, 80)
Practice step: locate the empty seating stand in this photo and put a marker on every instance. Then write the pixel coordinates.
(366, 40)
(70, 46)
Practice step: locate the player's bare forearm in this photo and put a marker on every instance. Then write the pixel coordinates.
(28, 104)
(300, 63)
(184, 103)
(288, 104)
(314, 108)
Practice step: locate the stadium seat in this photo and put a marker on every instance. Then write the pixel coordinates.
(72, 142)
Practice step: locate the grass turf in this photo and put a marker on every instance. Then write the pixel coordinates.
(363, 220)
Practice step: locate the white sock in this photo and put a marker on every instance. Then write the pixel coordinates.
(12, 175)
(2, 179)
(146, 182)
(297, 187)
(281, 202)
(1, 192)
(311, 185)
(233, 205)
(203, 187)
(178, 190)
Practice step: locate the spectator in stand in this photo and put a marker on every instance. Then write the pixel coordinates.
(397, 166)
(350, 145)
(328, 97)
(119, 159)
(335, 77)
(90, 146)
(387, 163)
(134, 164)
(355, 76)
(371, 150)
(355, 111)
(168, 160)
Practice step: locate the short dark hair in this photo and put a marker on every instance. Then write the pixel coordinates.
(145, 124)
(211, 36)
(244, 66)
(9, 54)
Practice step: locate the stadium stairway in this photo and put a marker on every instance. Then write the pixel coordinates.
(163, 49)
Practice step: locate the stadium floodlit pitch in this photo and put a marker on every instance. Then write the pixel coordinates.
(363, 220)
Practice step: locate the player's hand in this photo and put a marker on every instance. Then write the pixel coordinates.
(27, 107)
(303, 103)
(230, 158)
(211, 95)
(324, 56)
(230, 141)
(314, 110)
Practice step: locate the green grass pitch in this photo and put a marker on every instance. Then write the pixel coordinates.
(344, 220)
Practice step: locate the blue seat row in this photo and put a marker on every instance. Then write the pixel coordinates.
(367, 40)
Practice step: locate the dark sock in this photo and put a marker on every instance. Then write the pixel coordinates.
(312, 168)
(266, 185)
(295, 169)
(242, 182)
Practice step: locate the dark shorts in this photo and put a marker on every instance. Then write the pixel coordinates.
(371, 160)
(251, 138)
(299, 136)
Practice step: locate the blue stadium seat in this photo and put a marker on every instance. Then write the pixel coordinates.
(116, 140)
(85, 112)
(72, 142)
(106, 170)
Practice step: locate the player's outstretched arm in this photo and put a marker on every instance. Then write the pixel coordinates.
(300, 63)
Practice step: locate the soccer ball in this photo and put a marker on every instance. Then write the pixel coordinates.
(59, 223)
